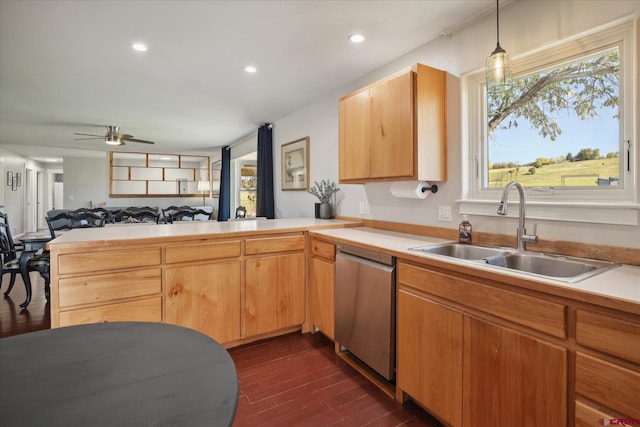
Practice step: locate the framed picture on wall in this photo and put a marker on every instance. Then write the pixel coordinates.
(295, 165)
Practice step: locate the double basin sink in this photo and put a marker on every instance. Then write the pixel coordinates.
(556, 267)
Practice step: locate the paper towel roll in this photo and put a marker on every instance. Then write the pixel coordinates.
(409, 189)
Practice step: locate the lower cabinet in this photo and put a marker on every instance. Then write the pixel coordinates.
(206, 298)
(472, 372)
(512, 379)
(275, 293)
(429, 355)
(322, 286)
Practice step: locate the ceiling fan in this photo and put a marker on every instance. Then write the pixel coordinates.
(113, 137)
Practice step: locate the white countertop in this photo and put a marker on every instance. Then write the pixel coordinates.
(190, 229)
(621, 283)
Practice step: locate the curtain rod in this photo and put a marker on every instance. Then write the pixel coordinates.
(244, 138)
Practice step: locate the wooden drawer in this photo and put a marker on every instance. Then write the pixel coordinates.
(609, 335)
(108, 287)
(144, 310)
(613, 386)
(274, 244)
(538, 314)
(587, 416)
(323, 249)
(202, 251)
(108, 260)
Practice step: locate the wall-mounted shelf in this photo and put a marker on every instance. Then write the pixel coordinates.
(156, 175)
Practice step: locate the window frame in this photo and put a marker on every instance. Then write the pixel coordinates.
(595, 204)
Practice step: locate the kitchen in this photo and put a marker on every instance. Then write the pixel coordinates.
(525, 27)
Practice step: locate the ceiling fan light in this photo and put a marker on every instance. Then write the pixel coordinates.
(112, 140)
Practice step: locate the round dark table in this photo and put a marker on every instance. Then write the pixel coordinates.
(116, 374)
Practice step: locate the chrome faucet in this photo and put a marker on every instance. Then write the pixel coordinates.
(523, 237)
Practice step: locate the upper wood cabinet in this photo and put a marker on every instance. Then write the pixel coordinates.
(395, 129)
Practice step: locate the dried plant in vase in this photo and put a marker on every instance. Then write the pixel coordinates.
(324, 190)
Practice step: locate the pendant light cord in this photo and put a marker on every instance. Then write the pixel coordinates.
(497, 23)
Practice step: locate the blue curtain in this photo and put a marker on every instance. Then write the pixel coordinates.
(224, 202)
(264, 202)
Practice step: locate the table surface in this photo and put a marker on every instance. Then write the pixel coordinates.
(116, 374)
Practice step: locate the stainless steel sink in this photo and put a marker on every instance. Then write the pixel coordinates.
(562, 268)
(463, 251)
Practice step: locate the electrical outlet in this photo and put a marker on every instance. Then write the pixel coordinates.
(365, 208)
(444, 213)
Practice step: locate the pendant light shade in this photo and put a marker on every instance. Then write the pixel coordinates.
(498, 66)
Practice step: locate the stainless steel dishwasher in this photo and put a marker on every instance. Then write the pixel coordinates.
(365, 307)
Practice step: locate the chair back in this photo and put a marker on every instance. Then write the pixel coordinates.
(241, 212)
(69, 220)
(7, 247)
(181, 215)
(166, 213)
(135, 216)
(202, 215)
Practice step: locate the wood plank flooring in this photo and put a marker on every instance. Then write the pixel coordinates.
(298, 380)
(294, 380)
(14, 319)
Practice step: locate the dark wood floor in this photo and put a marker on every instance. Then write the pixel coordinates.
(14, 319)
(294, 380)
(298, 380)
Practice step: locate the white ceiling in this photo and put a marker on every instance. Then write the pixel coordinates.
(68, 66)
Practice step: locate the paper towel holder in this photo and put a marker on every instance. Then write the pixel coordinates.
(433, 188)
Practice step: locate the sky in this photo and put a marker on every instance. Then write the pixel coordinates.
(524, 144)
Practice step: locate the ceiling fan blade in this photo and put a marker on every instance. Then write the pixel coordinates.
(138, 140)
(89, 134)
(122, 136)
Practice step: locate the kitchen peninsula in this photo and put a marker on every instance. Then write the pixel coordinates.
(234, 281)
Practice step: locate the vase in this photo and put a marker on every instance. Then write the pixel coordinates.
(317, 210)
(325, 211)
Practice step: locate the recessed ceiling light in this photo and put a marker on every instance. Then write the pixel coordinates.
(250, 69)
(140, 47)
(356, 38)
(51, 160)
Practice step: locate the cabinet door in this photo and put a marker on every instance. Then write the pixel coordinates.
(354, 136)
(511, 378)
(429, 355)
(322, 287)
(206, 298)
(392, 144)
(274, 293)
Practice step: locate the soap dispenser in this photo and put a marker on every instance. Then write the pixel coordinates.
(464, 230)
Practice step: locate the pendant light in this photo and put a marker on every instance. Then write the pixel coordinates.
(498, 66)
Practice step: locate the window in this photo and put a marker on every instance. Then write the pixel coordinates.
(564, 130)
(244, 183)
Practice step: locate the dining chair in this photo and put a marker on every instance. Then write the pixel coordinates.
(27, 261)
(136, 216)
(181, 215)
(166, 212)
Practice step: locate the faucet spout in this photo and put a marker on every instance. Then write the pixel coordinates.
(521, 234)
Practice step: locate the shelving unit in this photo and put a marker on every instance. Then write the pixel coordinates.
(156, 175)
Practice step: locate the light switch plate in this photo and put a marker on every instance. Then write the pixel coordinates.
(444, 213)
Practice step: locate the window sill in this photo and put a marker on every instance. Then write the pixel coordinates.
(593, 213)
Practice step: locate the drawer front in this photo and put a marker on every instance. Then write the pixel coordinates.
(108, 287)
(587, 416)
(323, 249)
(202, 251)
(609, 335)
(145, 310)
(611, 385)
(274, 244)
(538, 314)
(108, 260)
